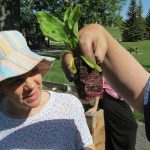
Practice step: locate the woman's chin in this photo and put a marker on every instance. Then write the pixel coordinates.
(33, 100)
(33, 104)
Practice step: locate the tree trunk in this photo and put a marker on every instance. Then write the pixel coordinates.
(9, 15)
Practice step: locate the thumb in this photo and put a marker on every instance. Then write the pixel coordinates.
(65, 61)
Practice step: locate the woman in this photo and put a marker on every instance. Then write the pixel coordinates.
(32, 118)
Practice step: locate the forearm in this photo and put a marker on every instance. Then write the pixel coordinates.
(96, 101)
(124, 73)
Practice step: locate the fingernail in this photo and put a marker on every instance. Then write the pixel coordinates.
(98, 61)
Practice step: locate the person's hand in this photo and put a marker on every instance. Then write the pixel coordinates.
(93, 42)
(65, 61)
(91, 111)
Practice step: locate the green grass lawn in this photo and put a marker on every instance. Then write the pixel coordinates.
(138, 117)
(56, 74)
(144, 52)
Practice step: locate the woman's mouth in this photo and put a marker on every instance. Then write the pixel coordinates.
(32, 97)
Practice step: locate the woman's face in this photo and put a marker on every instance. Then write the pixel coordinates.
(24, 91)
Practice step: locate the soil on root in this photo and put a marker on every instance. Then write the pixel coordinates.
(88, 81)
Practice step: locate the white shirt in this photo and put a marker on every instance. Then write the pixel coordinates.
(61, 125)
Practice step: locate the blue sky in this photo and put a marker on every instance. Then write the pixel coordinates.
(146, 7)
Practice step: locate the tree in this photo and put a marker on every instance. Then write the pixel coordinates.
(10, 14)
(104, 11)
(130, 28)
(147, 22)
(118, 21)
(141, 22)
(29, 8)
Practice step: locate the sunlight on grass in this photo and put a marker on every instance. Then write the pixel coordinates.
(56, 74)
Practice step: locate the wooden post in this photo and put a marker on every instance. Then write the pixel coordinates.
(96, 126)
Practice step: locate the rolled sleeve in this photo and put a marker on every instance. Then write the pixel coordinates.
(147, 109)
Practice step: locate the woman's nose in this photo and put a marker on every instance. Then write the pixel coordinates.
(29, 84)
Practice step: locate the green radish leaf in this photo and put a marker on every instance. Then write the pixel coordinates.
(66, 16)
(91, 64)
(74, 16)
(72, 66)
(73, 43)
(67, 13)
(52, 27)
(75, 29)
(66, 31)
